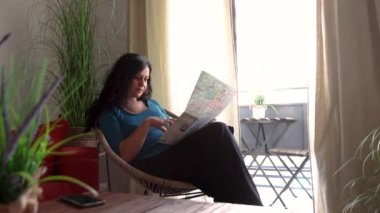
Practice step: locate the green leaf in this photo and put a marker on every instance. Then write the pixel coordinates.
(71, 180)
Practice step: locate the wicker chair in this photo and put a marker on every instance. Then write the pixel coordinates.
(163, 187)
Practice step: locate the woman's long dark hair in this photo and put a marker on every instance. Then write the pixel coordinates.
(116, 86)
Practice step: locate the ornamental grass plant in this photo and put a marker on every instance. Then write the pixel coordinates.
(69, 34)
(23, 145)
(363, 192)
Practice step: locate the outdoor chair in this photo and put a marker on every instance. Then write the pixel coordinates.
(294, 169)
(281, 144)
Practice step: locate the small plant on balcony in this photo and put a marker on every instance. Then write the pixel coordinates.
(259, 100)
(259, 107)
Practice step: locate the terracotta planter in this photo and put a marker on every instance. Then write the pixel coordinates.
(89, 139)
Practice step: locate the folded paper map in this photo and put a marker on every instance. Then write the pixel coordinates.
(209, 98)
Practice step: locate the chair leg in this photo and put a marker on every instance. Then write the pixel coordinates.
(294, 176)
(299, 182)
(259, 167)
(279, 173)
(108, 174)
(187, 195)
(303, 175)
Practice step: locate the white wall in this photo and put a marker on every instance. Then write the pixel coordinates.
(13, 19)
(22, 17)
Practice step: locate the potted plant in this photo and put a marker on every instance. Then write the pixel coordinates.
(23, 145)
(364, 190)
(70, 35)
(258, 107)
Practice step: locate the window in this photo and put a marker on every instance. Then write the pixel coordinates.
(276, 49)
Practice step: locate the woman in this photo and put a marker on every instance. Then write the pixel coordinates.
(133, 123)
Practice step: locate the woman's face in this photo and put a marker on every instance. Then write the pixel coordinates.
(139, 83)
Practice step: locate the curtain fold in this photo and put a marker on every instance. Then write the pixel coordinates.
(148, 35)
(347, 93)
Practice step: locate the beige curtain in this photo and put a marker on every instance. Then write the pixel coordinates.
(181, 39)
(148, 35)
(347, 93)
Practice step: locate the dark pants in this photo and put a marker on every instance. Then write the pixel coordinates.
(210, 160)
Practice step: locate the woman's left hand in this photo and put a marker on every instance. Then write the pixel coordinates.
(167, 123)
(160, 123)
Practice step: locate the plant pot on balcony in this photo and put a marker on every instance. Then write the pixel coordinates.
(258, 111)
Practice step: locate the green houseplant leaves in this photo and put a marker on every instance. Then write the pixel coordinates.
(363, 192)
(70, 36)
(23, 96)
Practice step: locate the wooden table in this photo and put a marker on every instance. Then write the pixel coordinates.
(121, 202)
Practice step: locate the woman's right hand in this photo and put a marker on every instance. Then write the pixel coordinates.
(130, 146)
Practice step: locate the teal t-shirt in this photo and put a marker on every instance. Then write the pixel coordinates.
(117, 124)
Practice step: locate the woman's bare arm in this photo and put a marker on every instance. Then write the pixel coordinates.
(132, 145)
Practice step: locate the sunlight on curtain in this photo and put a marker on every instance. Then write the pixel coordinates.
(276, 48)
(201, 38)
(347, 93)
(182, 38)
(148, 35)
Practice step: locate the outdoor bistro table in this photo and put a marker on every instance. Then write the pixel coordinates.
(266, 132)
(261, 137)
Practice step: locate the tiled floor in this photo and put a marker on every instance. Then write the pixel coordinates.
(301, 202)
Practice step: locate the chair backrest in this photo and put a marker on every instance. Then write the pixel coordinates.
(151, 183)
